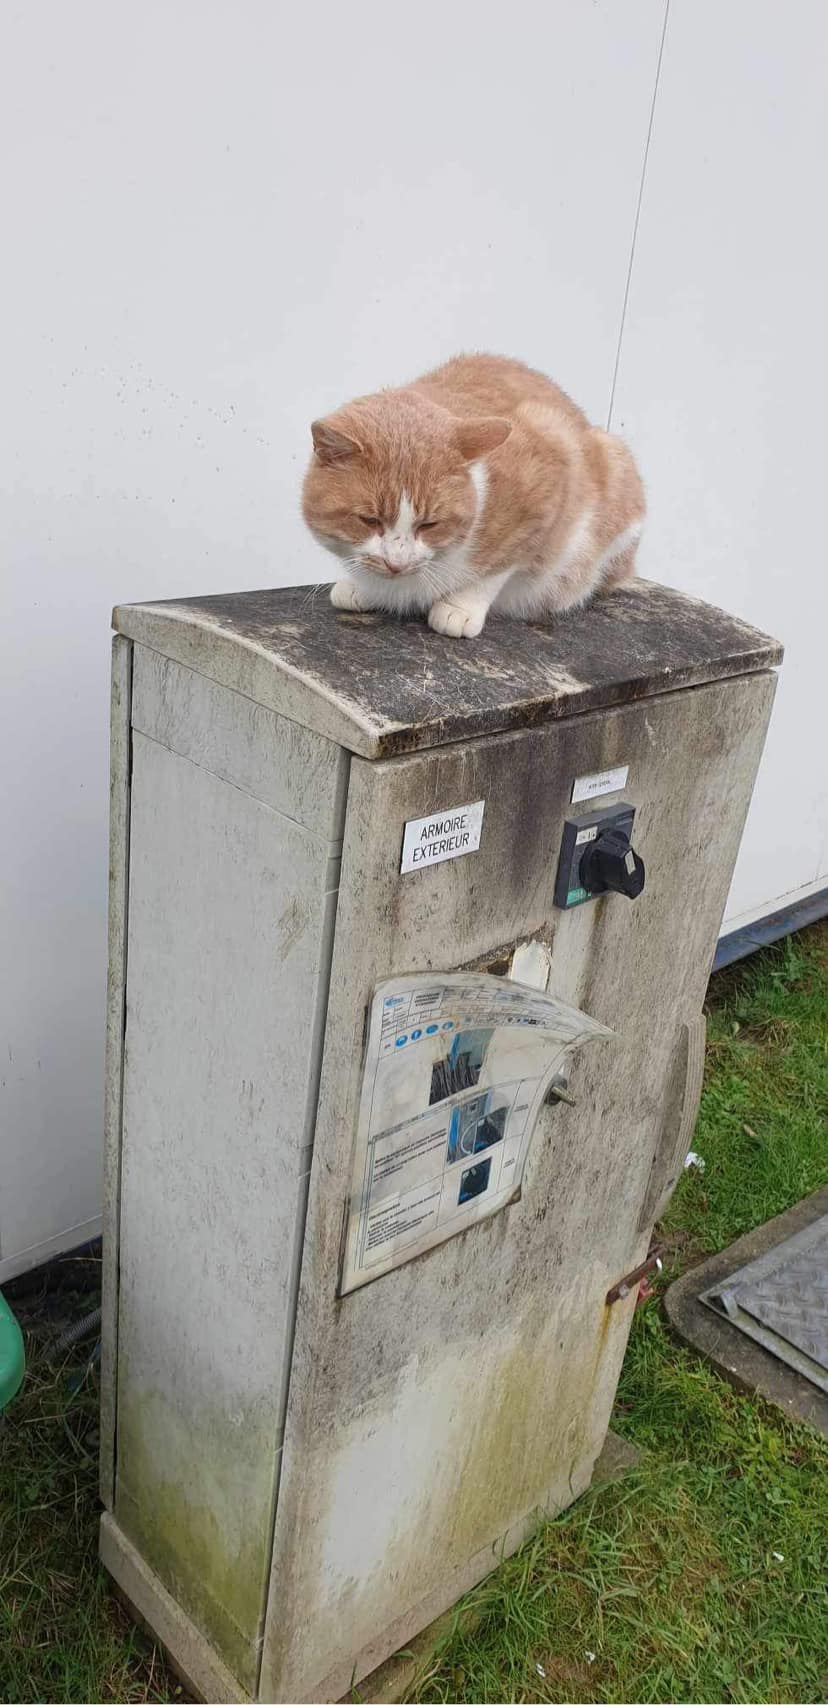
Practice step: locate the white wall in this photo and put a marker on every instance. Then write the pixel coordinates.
(723, 377)
(226, 217)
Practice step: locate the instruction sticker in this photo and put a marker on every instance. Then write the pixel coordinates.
(445, 834)
(456, 1071)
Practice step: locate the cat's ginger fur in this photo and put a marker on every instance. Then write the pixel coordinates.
(481, 483)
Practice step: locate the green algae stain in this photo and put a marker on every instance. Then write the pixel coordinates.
(521, 1445)
(200, 1517)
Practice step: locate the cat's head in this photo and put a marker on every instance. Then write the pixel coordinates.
(395, 481)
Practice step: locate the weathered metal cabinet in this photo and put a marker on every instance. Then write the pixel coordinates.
(295, 1480)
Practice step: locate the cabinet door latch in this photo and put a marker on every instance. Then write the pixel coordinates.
(630, 1280)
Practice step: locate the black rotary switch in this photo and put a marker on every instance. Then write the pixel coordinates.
(597, 856)
(611, 864)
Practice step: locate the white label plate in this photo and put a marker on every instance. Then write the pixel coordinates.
(604, 781)
(443, 835)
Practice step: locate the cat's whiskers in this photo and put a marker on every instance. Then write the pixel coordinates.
(312, 594)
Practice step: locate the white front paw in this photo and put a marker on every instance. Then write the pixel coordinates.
(455, 621)
(344, 596)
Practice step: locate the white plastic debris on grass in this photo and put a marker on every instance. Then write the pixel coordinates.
(590, 1657)
(541, 1671)
(778, 1555)
(694, 1159)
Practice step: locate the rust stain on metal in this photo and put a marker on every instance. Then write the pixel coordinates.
(625, 1285)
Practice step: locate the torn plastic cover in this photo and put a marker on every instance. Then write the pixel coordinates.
(456, 1069)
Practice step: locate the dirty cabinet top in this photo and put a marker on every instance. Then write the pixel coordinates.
(379, 686)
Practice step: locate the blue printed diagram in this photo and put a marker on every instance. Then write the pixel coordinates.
(474, 1181)
(475, 1125)
(461, 1065)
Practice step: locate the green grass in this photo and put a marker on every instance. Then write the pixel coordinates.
(763, 1122)
(663, 1586)
(62, 1634)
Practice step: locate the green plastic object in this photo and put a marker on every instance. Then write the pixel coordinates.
(12, 1354)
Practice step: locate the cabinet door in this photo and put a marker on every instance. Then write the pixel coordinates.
(434, 1412)
(229, 928)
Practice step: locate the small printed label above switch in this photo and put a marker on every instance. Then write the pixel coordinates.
(603, 781)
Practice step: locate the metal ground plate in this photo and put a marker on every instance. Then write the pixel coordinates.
(781, 1301)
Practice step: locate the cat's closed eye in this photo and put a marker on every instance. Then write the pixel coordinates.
(422, 525)
(369, 520)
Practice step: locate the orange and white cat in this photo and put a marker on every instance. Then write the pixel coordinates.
(481, 484)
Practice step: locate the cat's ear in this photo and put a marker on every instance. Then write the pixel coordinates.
(475, 438)
(333, 446)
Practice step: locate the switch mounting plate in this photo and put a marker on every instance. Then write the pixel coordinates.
(578, 834)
